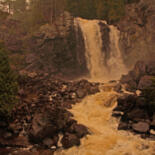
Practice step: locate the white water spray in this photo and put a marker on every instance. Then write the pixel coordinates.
(95, 56)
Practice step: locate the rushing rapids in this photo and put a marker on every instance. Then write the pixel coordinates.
(95, 112)
(94, 53)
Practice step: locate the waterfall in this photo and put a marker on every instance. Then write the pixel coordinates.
(94, 54)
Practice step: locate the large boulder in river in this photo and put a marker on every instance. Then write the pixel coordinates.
(141, 127)
(79, 129)
(81, 93)
(70, 140)
(140, 76)
(47, 124)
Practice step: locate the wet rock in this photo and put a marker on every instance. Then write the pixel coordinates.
(70, 122)
(139, 70)
(125, 103)
(137, 114)
(153, 122)
(81, 93)
(70, 140)
(118, 88)
(48, 142)
(141, 103)
(42, 127)
(145, 81)
(106, 38)
(123, 126)
(48, 123)
(134, 76)
(79, 129)
(141, 127)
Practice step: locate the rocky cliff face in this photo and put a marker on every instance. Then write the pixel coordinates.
(137, 32)
(55, 49)
(60, 47)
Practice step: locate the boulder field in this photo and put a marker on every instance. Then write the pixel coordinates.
(41, 121)
(136, 109)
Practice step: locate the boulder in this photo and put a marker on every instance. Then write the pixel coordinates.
(145, 82)
(139, 70)
(123, 126)
(141, 127)
(42, 127)
(49, 142)
(141, 103)
(137, 114)
(79, 129)
(70, 140)
(153, 122)
(125, 103)
(118, 88)
(47, 124)
(81, 93)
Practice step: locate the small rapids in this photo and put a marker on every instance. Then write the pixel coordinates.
(95, 112)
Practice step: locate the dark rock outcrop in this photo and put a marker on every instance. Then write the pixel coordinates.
(79, 129)
(105, 39)
(56, 48)
(141, 127)
(145, 81)
(137, 32)
(140, 77)
(41, 114)
(70, 140)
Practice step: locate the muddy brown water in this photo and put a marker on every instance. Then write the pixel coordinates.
(95, 113)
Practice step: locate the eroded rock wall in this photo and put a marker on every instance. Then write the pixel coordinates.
(56, 48)
(137, 32)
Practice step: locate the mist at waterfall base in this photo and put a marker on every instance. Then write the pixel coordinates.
(100, 67)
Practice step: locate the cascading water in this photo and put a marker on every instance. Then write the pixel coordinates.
(95, 56)
(95, 111)
(93, 45)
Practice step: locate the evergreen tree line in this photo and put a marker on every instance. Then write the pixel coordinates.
(33, 13)
(8, 85)
(110, 10)
(38, 12)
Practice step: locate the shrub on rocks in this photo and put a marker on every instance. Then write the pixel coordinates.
(8, 85)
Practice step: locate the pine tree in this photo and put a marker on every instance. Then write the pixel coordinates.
(8, 85)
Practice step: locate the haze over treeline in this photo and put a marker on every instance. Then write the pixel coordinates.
(38, 12)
